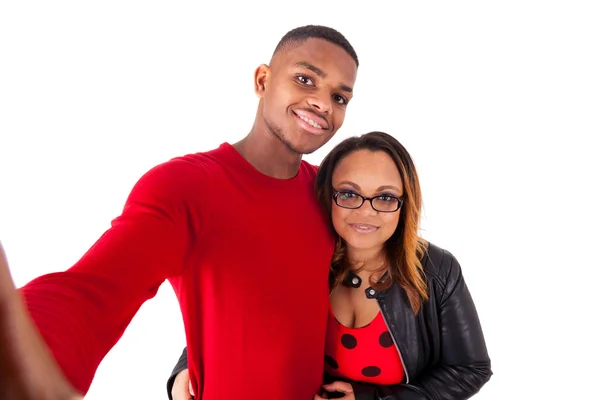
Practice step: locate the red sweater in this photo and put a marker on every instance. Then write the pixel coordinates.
(247, 256)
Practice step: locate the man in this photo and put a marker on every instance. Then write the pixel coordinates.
(238, 233)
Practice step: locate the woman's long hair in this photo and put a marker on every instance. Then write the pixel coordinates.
(405, 248)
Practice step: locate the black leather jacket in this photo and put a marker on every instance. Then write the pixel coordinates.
(442, 347)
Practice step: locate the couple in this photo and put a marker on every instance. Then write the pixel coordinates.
(244, 241)
(401, 323)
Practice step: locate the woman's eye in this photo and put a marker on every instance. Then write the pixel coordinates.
(386, 198)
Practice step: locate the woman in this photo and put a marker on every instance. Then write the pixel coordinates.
(402, 324)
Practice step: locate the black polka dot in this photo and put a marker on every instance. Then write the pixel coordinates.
(371, 371)
(385, 339)
(349, 341)
(331, 362)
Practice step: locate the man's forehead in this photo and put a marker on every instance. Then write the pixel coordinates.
(319, 53)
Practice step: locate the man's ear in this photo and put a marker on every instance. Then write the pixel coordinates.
(261, 79)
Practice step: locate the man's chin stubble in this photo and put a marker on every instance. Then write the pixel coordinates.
(277, 132)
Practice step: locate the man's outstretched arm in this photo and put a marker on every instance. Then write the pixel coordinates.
(81, 313)
(27, 368)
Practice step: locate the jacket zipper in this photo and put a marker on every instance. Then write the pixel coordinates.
(394, 340)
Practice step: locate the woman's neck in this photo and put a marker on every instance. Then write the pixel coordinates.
(367, 263)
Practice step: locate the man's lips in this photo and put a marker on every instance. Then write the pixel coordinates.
(312, 119)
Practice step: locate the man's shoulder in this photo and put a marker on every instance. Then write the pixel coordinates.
(310, 168)
(221, 152)
(212, 162)
(200, 161)
(183, 170)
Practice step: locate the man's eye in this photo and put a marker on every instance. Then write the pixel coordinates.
(305, 80)
(340, 99)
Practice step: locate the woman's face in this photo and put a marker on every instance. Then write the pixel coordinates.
(368, 174)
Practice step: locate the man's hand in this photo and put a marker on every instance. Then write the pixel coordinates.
(28, 370)
(337, 386)
(182, 386)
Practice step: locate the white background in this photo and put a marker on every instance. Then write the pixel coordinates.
(499, 103)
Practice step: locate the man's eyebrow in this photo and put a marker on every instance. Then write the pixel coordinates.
(321, 73)
(311, 67)
(345, 88)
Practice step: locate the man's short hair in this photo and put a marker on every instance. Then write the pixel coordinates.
(302, 33)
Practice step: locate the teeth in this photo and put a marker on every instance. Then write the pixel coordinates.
(311, 122)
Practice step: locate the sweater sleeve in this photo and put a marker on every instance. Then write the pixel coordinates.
(82, 312)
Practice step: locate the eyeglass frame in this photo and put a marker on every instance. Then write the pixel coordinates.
(336, 193)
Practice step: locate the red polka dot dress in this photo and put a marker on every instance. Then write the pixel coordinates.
(365, 354)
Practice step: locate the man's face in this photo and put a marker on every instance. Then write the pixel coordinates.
(306, 91)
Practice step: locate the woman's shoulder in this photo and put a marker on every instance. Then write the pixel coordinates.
(440, 265)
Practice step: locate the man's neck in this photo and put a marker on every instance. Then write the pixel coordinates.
(269, 155)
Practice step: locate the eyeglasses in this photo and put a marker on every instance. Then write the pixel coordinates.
(383, 203)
